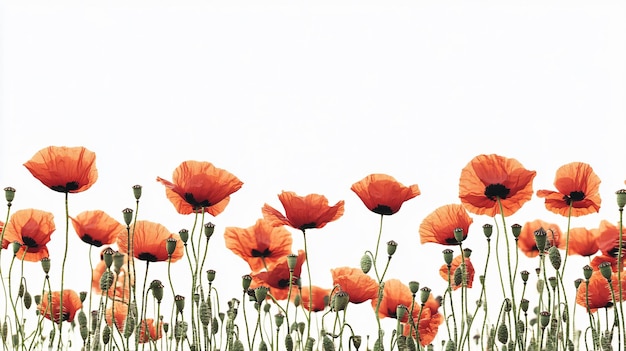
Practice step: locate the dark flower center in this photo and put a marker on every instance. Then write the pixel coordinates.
(283, 283)
(195, 203)
(382, 210)
(495, 191)
(146, 256)
(70, 186)
(30, 242)
(573, 197)
(265, 253)
(66, 316)
(308, 226)
(451, 241)
(91, 241)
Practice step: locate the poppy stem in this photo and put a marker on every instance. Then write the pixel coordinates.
(308, 270)
(67, 231)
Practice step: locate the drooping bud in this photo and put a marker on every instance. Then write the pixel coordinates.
(128, 215)
(292, 261)
(487, 230)
(366, 263)
(137, 191)
(516, 229)
(45, 264)
(621, 198)
(28, 299)
(448, 255)
(209, 228)
(356, 341)
(391, 247)
(9, 194)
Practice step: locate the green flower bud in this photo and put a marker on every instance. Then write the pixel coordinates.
(279, 318)
(84, 333)
(621, 198)
(448, 255)
(129, 326)
(106, 335)
(214, 326)
(16, 248)
(205, 313)
(106, 280)
(366, 263)
(309, 344)
(288, 342)
(555, 257)
(9, 194)
(127, 213)
(540, 285)
(266, 307)
(356, 341)
(503, 333)
(166, 327)
(391, 247)
(83, 296)
(327, 344)
(21, 289)
(28, 299)
(605, 269)
(516, 229)
(180, 330)
(238, 345)
(450, 345)
(507, 305)
(458, 275)
(137, 191)
(209, 228)
(262, 346)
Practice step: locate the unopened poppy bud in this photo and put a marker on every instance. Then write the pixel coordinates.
(524, 274)
(340, 301)
(540, 285)
(555, 257)
(577, 282)
(587, 271)
(106, 280)
(129, 326)
(450, 345)
(400, 311)
(621, 198)
(209, 228)
(487, 230)
(544, 319)
(414, 287)
(127, 213)
(45, 264)
(424, 294)
(214, 326)
(458, 275)
(481, 279)
(84, 333)
(467, 252)
(540, 239)
(245, 282)
(366, 263)
(9, 194)
(524, 305)
(180, 330)
(170, 245)
(94, 320)
(356, 341)
(5, 332)
(292, 261)
(210, 274)
(157, 290)
(297, 300)
(37, 299)
(458, 234)
(260, 293)
(180, 303)
(503, 333)
(391, 247)
(288, 342)
(448, 255)
(516, 229)
(184, 235)
(82, 295)
(16, 247)
(308, 346)
(106, 335)
(28, 299)
(266, 307)
(82, 318)
(327, 344)
(605, 269)
(21, 289)
(507, 305)
(279, 318)
(205, 313)
(166, 327)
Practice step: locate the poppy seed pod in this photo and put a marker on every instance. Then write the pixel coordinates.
(210, 274)
(448, 255)
(467, 253)
(170, 245)
(279, 318)
(118, 261)
(245, 282)
(540, 239)
(391, 247)
(260, 293)
(366, 263)
(507, 305)
(577, 283)
(458, 234)
(137, 191)
(292, 261)
(209, 228)
(555, 257)
(45, 265)
(107, 257)
(82, 295)
(180, 303)
(9, 194)
(587, 271)
(401, 310)
(166, 327)
(424, 294)
(157, 290)
(327, 344)
(553, 282)
(544, 319)
(621, 198)
(487, 230)
(516, 229)
(308, 346)
(340, 301)
(414, 287)
(605, 269)
(184, 235)
(16, 247)
(127, 213)
(37, 299)
(524, 305)
(524, 274)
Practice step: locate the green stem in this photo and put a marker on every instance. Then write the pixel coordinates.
(67, 231)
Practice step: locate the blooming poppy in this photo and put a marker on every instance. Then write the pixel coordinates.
(149, 242)
(121, 290)
(319, 296)
(427, 319)
(395, 293)
(359, 286)
(488, 179)
(608, 239)
(50, 305)
(199, 186)
(527, 243)
(596, 261)
(277, 276)
(97, 228)
(64, 169)
(5, 242)
(119, 311)
(454, 265)
(261, 245)
(148, 331)
(438, 227)
(31, 228)
(598, 294)
(310, 211)
(383, 194)
(582, 242)
(577, 187)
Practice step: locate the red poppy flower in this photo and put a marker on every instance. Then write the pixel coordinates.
(148, 331)
(5, 242)
(359, 286)
(582, 242)
(97, 228)
(49, 306)
(310, 211)
(382, 194)
(261, 245)
(319, 296)
(64, 169)
(427, 319)
(596, 261)
(31, 228)
(487, 178)
(119, 311)
(577, 187)
(121, 290)
(277, 276)
(608, 239)
(200, 185)
(438, 227)
(150, 242)
(394, 293)
(454, 265)
(599, 295)
(526, 241)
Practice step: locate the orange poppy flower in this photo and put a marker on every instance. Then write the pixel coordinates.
(487, 178)
(121, 290)
(261, 245)
(359, 286)
(277, 276)
(31, 228)
(394, 293)
(49, 306)
(64, 169)
(383, 194)
(428, 324)
(97, 228)
(454, 265)
(310, 211)
(438, 227)
(5, 242)
(150, 242)
(582, 242)
(608, 239)
(198, 186)
(319, 296)
(526, 241)
(599, 295)
(148, 331)
(577, 186)
(596, 261)
(119, 311)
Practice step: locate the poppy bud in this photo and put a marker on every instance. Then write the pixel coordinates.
(260, 293)
(82, 295)
(157, 290)
(621, 198)
(28, 299)
(340, 301)
(540, 239)
(279, 318)
(400, 311)
(540, 285)
(507, 305)
(524, 305)
(118, 261)
(166, 327)
(481, 279)
(391, 247)
(180, 303)
(308, 346)
(516, 229)
(450, 345)
(84, 333)
(170, 245)
(458, 275)
(210, 274)
(106, 280)
(587, 271)
(366, 263)
(129, 326)
(356, 341)
(128, 215)
(458, 234)
(605, 269)
(524, 274)
(4, 331)
(209, 228)
(245, 282)
(467, 252)
(503, 333)
(266, 308)
(447, 256)
(577, 282)
(184, 235)
(292, 260)
(288, 342)
(424, 294)
(20, 290)
(414, 286)
(327, 344)
(16, 247)
(94, 320)
(180, 329)
(106, 335)
(262, 346)
(555, 257)
(9, 194)
(487, 230)
(215, 325)
(82, 319)
(544, 319)
(37, 299)
(45, 264)
(205, 313)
